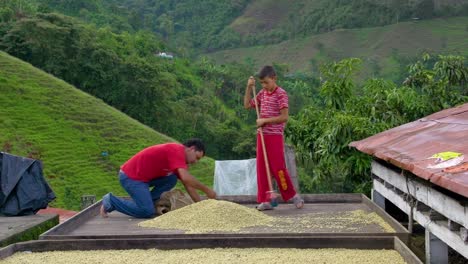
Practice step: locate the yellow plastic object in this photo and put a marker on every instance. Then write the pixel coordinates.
(446, 155)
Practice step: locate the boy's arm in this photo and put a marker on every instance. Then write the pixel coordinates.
(282, 118)
(189, 181)
(248, 92)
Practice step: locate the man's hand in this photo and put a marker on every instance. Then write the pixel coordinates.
(211, 194)
(192, 184)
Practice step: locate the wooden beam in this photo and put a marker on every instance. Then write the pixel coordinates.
(453, 239)
(453, 226)
(445, 205)
(423, 208)
(436, 216)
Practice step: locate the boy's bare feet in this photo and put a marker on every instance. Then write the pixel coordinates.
(103, 212)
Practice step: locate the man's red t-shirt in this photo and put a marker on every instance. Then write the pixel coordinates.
(155, 161)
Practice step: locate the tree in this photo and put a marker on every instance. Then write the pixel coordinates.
(398, 6)
(6, 14)
(44, 41)
(337, 83)
(166, 25)
(424, 9)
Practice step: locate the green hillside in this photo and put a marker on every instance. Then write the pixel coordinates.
(384, 50)
(45, 118)
(283, 19)
(190, 26)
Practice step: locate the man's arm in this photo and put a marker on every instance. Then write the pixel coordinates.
(248, 92)
(193, 184)
(193, 193)
(282, 118)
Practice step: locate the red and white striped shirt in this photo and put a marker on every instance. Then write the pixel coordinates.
(270, 105)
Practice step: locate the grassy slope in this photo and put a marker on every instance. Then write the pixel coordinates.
(45, 118)
(374, 45)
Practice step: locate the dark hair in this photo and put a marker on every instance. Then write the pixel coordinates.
(197, 143)
(267, 71)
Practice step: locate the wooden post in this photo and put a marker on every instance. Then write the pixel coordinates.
(87, 200)
(290, 158)
(436, 249)
(378, 199)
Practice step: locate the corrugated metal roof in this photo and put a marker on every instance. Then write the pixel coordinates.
(411, 145)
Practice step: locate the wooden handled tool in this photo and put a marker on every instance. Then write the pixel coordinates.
(270, 193)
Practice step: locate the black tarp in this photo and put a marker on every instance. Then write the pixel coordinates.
(24, 190)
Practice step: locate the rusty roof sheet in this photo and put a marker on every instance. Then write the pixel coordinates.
(411, 145)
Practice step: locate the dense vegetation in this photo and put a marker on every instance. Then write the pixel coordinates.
(345, 112)
(212, 25)
(110, 49)
(177, 97)
(192, 27)
(81, 141)
(174, 96)
(190, 23)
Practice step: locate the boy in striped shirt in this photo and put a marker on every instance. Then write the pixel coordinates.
(273, 104)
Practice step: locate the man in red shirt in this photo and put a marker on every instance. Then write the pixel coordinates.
(158, 166)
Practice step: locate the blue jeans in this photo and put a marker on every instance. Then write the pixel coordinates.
(142, 203)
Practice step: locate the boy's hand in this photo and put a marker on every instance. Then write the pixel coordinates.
(261, 122)
(248, 92)
(251, 82)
